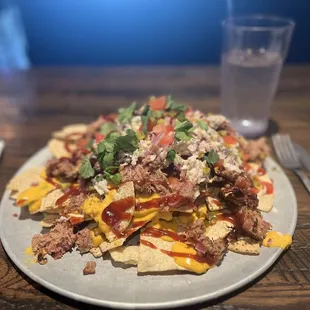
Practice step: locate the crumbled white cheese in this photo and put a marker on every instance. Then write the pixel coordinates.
(136, 123)
(101, 187)
(215, 120)
(192, 168)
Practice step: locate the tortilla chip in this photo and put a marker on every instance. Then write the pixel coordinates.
(265, 202)
(212, 206)
(126, 254)
(57, 148)
(124, 191)
(49, 201)
(153, 260)
(219, 230)
(245, 246)
(96, 252)
(67, 130)
(24, 180)
(49, 220)
(106, 246)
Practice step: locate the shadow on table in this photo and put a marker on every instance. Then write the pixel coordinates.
(80, 305)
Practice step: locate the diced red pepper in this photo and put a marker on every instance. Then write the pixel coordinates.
(230, 140)
(158, 103)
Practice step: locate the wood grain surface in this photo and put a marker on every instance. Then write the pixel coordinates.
(37, 102)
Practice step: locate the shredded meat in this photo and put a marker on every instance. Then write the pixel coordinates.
(62, 168)
(237, 192)
(184, 188)
(90, 268)
(227, 126)
(93, 127)
(145, 181)
(177, 202)
(56, 243)
(256, 149)
(195, 235)
(75, 203)
(252, 224)
(83, 240)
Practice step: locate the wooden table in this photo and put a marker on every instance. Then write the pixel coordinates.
(42, 100)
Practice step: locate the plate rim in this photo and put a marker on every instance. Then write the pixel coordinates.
(153, 305)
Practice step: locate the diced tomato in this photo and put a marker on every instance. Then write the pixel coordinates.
(230, 140)
(158, 103)
(269, 187)
(99, 137)
(162, 128)
(168, 134)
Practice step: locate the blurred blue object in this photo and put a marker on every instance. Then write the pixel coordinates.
(13, 42)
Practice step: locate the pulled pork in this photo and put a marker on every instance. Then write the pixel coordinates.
(83, 240)
(56, 243)
(195, 235)
(256, 149)
(238, 190)
(62, 168)
(252, 224)
(90, 268)
(145, 181)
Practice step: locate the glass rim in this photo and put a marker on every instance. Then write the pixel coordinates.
(230, 22)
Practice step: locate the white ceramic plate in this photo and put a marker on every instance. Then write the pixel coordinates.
(123, 288)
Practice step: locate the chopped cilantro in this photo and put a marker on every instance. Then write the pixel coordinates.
(115, 178)
(99, 178)
(212, 157)
(202, 124)
(86, 169)
(171, 105)
(129, 142)
(158, 113)
(125, 114)
(106, 159)
(171, 154)
(183, 130)
(107, 127)
(181, 117)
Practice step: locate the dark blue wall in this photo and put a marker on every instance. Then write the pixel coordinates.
(109, 32)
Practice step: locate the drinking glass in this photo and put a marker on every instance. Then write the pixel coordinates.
(254, 49)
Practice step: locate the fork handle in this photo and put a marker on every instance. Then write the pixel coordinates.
(304, 179)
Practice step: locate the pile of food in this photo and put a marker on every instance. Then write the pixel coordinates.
(162, 186)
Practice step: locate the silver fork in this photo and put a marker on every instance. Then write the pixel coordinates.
(288, 157)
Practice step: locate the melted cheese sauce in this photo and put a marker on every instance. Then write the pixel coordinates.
(180, 247)
(145, 215)
(93, 206)
(188, 263)
(275, 239)
(34, 193)
(97, 237)
(28, 251)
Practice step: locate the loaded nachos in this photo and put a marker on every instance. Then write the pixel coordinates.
(162, 186)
